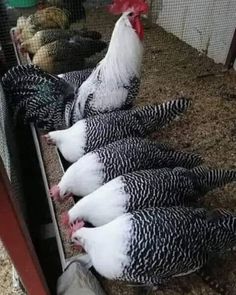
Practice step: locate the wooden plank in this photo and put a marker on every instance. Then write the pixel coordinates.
(198, 25)
(223, 27)
(16, 239)
(172, 16)
(207, 26)
(51, 207)
(231, 57)
(52, 170)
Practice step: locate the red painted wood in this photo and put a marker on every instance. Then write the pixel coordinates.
(16, 239)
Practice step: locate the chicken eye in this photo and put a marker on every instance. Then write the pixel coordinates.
(131, 14)
(76, 239)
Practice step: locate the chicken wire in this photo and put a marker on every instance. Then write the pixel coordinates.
(207, 26)
(8, 154)
(7, 56)
(8, 151)
(172, 16)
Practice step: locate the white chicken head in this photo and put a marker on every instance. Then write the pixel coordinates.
(131, 11)
(59, 194)
(77, 234)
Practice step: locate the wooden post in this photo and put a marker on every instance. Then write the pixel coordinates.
(232, 53)
(16, 239)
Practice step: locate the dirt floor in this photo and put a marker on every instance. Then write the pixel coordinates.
(5, 272)
(172, 68)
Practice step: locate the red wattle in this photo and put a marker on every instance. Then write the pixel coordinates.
(138, 26)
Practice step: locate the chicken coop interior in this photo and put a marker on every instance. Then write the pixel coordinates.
(158, 51)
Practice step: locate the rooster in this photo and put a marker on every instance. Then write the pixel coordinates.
(53, 103)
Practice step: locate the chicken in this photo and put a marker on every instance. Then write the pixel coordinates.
(59, 108)
(75, 8)
(127, 155)
(44, 37)
(87, 34)
(75, 79)
(146, 189)
(27, 32)
(21, 23)
(48, 18)
(151, 246)
(112, 85)
(88, 134)
(63, 56)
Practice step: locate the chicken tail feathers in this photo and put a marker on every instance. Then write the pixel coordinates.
(36, 96)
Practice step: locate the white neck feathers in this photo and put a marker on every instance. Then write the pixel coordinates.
(111, 241)
(121, 63)
(124, 56)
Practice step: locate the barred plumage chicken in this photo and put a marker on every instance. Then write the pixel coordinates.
(117, 158)
(94, 132)
(147, 189)
(151, 246)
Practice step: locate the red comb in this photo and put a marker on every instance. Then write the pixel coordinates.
(120, 6)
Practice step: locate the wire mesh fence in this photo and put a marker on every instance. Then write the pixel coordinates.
(170, 65)
(207, 26)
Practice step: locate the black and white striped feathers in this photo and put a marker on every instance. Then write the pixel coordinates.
(112, 85)
(76, 78)
(120, 157)
(94, 132)
(147, 189)
(38, 97)
(152, 245)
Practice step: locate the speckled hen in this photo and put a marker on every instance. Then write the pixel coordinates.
(44, 37)
(123, 156)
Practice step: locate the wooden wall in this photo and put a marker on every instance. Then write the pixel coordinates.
(207, 25)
